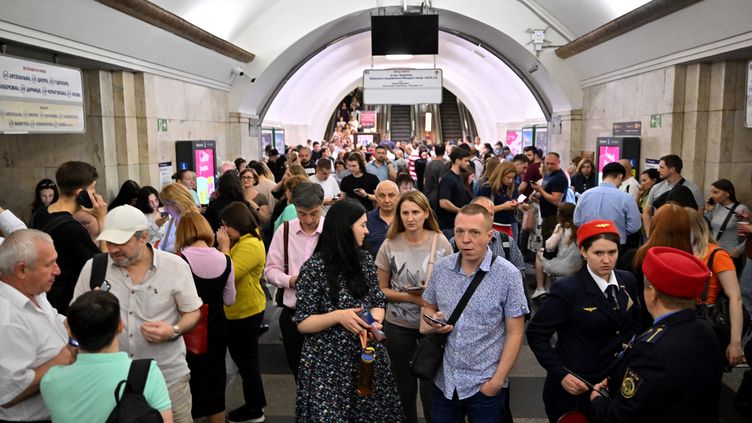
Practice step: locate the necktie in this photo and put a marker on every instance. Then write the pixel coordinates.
(611, 294)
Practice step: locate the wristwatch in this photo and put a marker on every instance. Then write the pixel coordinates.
(175, 332)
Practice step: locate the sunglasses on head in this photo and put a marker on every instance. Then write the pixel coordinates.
(47, 185)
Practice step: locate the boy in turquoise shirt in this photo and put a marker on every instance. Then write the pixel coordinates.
(84, 391)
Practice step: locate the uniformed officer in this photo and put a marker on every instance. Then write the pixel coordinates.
(594, 314)
(672, 372)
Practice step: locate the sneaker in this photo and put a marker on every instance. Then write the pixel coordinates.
(538, 293)
(245, 415)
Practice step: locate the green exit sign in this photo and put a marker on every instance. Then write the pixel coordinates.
(655, 121)
(161, 125)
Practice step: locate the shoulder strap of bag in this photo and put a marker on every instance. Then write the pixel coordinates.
(136, 381)
(479, 275)
(726, 221)
(431, 257)
(704, 297)
(286, 233)
(98, 270)
(505, 245)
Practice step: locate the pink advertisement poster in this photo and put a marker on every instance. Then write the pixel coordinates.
(368, 119)
(204, 174)
(606, 155)
(514, 141)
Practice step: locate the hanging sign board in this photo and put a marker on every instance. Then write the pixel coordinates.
(38, 97)
(368, 119)
(402, 86)
(627, 128)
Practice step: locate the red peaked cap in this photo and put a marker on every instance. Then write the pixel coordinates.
(675, 272)
(593, 228)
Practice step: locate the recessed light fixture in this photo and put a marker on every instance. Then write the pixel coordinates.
(399, 57)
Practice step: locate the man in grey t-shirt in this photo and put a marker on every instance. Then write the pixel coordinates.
(670, 169)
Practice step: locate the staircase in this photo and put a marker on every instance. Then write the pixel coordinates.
(400, 124)
(451, 125)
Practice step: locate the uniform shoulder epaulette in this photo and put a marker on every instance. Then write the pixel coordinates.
(653, 335)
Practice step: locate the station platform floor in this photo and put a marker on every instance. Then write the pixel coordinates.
(526, 380)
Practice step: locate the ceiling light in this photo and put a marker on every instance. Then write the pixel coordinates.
(399, 56)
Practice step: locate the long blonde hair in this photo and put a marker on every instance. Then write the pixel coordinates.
(699, 233)
(178, 195)
(498, 174)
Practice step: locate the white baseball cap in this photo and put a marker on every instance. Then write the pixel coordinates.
(121, 223)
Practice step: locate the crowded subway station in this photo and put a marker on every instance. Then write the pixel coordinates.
(376, 211)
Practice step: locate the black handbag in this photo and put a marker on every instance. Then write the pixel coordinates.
(429, 353)
(718, 314)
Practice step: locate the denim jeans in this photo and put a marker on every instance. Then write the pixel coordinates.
(477, 408)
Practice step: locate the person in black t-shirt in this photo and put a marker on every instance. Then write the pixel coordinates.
(76, 182)
(305, 160)
(453, 195)
(359, 185)
(551, 193)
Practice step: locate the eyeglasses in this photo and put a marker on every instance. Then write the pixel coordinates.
(246, 177)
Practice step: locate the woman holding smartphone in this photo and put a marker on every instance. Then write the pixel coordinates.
(336, 284)
(405, 261)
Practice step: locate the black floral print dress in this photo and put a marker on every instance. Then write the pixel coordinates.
(330, 359)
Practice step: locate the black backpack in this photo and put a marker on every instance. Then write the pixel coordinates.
(131, 406)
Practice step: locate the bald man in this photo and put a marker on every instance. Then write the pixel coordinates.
(630, 185)
(379, 219)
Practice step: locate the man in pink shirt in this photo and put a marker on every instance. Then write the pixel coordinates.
(302, 237)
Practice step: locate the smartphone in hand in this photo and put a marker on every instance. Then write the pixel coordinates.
(435, 321)
(367, 317)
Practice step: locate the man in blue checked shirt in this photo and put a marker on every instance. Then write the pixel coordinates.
(484, 343)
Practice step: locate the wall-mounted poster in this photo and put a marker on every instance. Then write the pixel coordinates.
(514, 140)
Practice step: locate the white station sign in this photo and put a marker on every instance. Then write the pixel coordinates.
(402, 86)
(39, 97)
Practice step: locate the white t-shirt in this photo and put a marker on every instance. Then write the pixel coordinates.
(331, 189)
(631, 187)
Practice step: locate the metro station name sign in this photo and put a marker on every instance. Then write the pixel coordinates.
(402, 86)
(38, 97)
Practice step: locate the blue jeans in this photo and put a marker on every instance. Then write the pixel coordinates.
(478, 408)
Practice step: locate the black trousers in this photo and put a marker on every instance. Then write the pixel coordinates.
(291, 339)
(242, 342)
(401, 346)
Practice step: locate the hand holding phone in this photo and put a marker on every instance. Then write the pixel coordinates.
(441, 323)
(367, 317)
(521, 198)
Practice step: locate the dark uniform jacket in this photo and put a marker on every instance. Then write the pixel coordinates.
(590, 334)
(670, 373)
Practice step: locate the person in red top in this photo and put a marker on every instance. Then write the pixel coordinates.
(722, 281)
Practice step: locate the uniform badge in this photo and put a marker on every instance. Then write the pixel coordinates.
(590, 309)
(630, 383)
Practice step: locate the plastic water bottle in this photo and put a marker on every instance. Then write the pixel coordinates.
(365, 372)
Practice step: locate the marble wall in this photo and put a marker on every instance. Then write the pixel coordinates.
(702, 119)
(121, 138)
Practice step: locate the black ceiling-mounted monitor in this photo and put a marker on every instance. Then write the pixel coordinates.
(404, 34)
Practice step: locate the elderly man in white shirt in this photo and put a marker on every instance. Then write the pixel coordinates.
(33, 334)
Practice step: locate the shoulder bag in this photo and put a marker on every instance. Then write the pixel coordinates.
(717, 314)
(429, 353)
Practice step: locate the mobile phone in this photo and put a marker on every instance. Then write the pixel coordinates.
(164, 214)
(435, 321)
(367, 317)
(521, 198)
(711, 201)
(337, 197)
(84, 200)
(105, 286)
(414, 288)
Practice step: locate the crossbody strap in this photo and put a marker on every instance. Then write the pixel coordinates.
(704, 297)
(431, 257)
(286, 233)
(726, 221)
(468, 293)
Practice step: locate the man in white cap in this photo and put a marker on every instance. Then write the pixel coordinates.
(158, 299)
